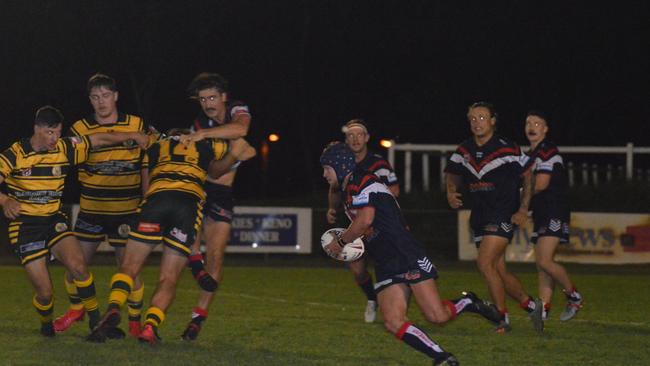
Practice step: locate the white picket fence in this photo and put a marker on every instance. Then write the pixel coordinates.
(585, 170)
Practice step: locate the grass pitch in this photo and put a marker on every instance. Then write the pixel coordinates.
(314, 316)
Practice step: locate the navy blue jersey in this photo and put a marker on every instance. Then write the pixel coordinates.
(377, 165)
(492, 173)
(553, 202)
(389, 240)
(233, 109)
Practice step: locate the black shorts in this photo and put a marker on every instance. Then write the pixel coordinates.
(32, 237)
(420, 270)
(172, 217)
(502, 229)
(219, 202)
(544, 226)
(97, 228)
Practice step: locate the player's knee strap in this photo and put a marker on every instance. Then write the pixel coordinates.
(207, 283)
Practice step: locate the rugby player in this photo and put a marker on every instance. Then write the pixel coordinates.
(493, 168)
(34, 170)
(223, 118)
(402, 267)
(111, 189)
(357, 137)
(551, 215)
(171, 213)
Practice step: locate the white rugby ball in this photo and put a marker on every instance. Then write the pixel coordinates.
(350, 252)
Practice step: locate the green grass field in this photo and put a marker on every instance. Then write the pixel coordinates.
(275, 315)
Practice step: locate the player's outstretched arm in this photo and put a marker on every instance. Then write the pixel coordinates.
(237, 128)
(112, 138)
(521, 216)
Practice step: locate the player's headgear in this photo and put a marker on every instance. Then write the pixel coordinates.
(340, 157)
(355, 123)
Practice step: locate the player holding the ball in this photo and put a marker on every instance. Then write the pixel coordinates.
(402, 267)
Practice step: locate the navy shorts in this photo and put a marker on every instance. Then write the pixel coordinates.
(420, 270)
(550, 227)
(219, 202)
(502, 229)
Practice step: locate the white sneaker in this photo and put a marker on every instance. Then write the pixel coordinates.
(371, 312)
(571, 310)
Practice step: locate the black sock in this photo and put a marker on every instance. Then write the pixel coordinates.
(368, 288)
(418, 339)
(196, 264)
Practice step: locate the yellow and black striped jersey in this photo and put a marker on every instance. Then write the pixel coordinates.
(36, 179)
(110, 178)
(174, 167)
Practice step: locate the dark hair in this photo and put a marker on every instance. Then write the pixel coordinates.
(353, 122)
(538, 113)
(207, 80)
(99, 80)
(487, 105)
(48, 116)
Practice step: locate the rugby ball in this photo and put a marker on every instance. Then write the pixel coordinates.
(349, 253)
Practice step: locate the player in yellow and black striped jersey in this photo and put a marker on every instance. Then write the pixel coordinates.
(34, 170)
(111, 190)
(170, 213)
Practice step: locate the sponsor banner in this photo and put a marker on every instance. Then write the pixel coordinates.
(259, 230)
(604, 238)
(270, 230)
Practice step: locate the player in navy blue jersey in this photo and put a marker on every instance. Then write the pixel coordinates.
(356, 137)
(223, 118)
(551, 215)
(493, 170)
(402, 266)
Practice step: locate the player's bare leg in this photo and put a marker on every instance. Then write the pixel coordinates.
(135, 299)
(217, 234)
(75, 312)
(363, 278)
(43, 300)
(135, 254)
(69, 253)
(171, 266)
(544, 253)
(393, 304)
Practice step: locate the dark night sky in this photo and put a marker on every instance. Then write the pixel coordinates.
(409, 68)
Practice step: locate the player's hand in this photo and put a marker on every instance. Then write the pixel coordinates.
(454, 200)
(333, 248)
(193, 137)
(331, 216)
(142, 139)
(520, 217)
(11, 208)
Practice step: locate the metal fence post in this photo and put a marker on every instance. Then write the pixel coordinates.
(425, 172)
(407, 171)
(629, 160)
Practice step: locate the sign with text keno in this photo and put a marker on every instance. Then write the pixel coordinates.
(606, 238)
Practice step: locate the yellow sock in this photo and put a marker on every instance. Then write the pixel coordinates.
(121, 286)
(86, 292)
(44, 311)
(73, 296)
(134, 303)
(154, 316)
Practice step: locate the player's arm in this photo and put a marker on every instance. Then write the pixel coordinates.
(334, 202)
(394, 189)
(237, 128)
(101, 139)
(144, 179)
(358, 226)
(453, 183)
(10, 207)
(521, 216)
(542, 180)
(240, 150)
